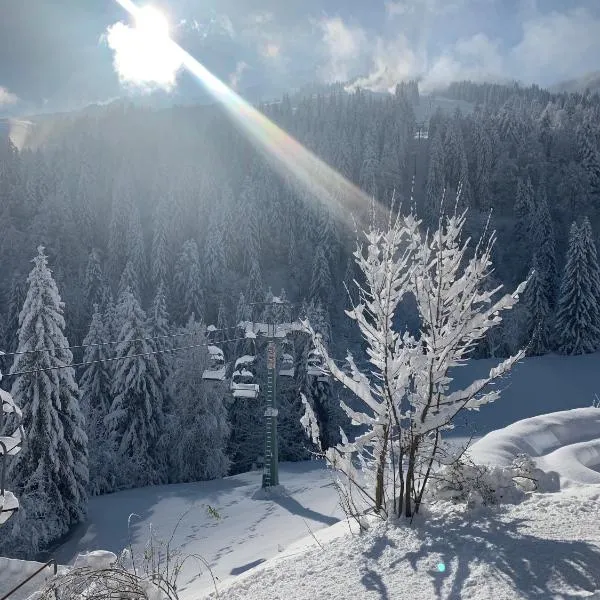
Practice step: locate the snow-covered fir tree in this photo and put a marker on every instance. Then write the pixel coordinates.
(198, 427)
(578, 311)
(50, 474)
(135, 419)
(187, 283)
(95, 385)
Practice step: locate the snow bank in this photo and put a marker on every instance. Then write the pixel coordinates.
(565, 443)
(13, 572)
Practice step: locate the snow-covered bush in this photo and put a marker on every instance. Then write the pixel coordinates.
(407, 398)
(483, 485)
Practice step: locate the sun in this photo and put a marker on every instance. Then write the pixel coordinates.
(150, 22)
(144, 53)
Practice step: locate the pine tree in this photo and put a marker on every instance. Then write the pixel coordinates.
(578, 315)
(160, 257)
(129, 280)
(96, 398)
(524, 226)
(320, 285)
(545, 247)
(199, 429)
(255, 287)
(160, 329)
(539, 312)
(591, 258)
(215, 260)
(95, 287)
(50, 474)
(135, 419)
(187, 282)
(436, 180)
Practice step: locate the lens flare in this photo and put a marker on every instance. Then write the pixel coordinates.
(287, 155)
(150, 22)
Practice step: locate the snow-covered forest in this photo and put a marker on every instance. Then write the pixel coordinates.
(146, 226)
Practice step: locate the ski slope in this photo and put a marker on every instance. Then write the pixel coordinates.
(251, 528)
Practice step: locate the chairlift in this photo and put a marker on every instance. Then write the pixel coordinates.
(242, 379)
(217, 368)
(286, 367)
(10, 445)
(315, 366)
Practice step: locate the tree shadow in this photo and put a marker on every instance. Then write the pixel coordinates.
(293, 506)
(247, 566)
(373, 582)
(530, 563)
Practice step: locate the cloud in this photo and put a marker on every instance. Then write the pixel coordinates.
(401, 8)
(234, 78)
(393, 61)
(7, 97)
(141, 60)
(557, 44)
(476, 58)
(345, 45)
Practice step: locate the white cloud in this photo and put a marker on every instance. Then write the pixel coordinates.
(476, 58)
(400, 8)
(557, 45)
(393, 61)
(235, 77)
(7, 97)
(142, 60)
(345, 46)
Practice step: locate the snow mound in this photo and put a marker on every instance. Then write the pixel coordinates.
(14, 571)
(565, 444)
(547, 547)
(97, 559)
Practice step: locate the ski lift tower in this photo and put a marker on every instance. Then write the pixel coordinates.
(273, 331)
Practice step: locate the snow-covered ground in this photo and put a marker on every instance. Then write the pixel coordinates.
(251, 530)
(546, 547)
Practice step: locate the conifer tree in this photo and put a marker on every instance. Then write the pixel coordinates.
(320, 284)
(578, 316)
(255, 287)
(539, 312)
(135, 419)
(50, 474)
(96, 399)
(524, 212)
(95, 287)
(545, 247)
(187, 282)
(199, 429)
(159, 328)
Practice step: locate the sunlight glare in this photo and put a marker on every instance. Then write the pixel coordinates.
(317, 180)
(149, 21)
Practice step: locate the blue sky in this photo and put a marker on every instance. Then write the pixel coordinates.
(55, 55)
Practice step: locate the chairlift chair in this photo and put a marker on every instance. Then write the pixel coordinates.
(10, 445)
(242, 379)
(315, 365)
(217, 368)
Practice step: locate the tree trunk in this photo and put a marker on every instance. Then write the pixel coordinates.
(380, 480)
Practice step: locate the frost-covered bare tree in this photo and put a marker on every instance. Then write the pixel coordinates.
(407, 397)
